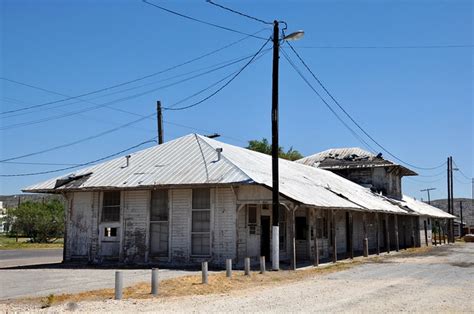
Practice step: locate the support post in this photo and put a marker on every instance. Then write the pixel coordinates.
(377, 231)
(397, 240)
(366, 238)
(204, 273)
(275, 172)
(426, 232)
(451, 221)
(461, 229)
(387, 234)
(247, 266)
(439, 232)
(118, 285)
(159, 121)
(154, 282)
(333, 236)
(413, 226)
(435, 224)
(262, 265)
(351, 235)
(293, 241)
(228, 267)
(316, 244)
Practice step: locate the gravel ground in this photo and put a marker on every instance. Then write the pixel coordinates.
(439, 281)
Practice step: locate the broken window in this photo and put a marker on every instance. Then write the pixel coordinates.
(110, 232)
(201, 198)
(200, 233)
(159, 223)
(111, 206)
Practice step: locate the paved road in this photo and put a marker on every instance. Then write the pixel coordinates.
(24, 257)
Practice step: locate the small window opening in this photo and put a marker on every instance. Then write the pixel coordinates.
(110, 232)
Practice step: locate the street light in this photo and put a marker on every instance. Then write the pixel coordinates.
(275, 183)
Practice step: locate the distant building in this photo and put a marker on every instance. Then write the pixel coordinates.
(3, 214)
(467, 205)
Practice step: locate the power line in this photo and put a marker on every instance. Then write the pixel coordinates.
(107, 104)
(223, 86)
(388, 47)
(357, 136)
(130, 81)
(201, 21)
(79, 141)
(460, 171)
(79, 165)
(354, 121)
(460, 181)
(39, 163)
(239, 13)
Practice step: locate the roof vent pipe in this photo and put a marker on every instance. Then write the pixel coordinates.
(219, 152)
(127, 158)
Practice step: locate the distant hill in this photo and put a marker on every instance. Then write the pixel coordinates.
(467, 208)
(12, 200)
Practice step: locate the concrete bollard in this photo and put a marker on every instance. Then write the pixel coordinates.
(118, 285)
(262, 264)
(154, 282)
(228, 267)
(366, 247)
(247, 266)
(204, 273)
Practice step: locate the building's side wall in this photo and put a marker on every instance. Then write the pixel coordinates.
(180, 224)
(224, 234)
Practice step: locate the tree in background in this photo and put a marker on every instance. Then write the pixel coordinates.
(39, 221)
(264, 147)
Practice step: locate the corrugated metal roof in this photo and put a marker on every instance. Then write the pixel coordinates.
(350, 157)
(424, 209)
(192, 159)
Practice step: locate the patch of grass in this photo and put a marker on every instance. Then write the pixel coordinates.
(10, 243)
(48, 301)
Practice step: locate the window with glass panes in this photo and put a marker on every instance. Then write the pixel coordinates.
(111, 206)
(201, 222)
(159, 223)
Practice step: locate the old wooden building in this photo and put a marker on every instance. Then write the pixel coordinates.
(195, 199)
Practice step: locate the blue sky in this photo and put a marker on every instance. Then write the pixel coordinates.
(417, 102)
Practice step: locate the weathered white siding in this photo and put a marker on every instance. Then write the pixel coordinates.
(224, 234)
(135, 220)
(81, 226)
(181, 203)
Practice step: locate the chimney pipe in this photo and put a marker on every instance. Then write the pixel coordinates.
(219, 151)
(127, 158)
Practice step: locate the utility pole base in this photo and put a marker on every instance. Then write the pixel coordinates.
(275, 248)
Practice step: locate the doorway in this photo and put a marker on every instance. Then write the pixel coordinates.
(265, 237)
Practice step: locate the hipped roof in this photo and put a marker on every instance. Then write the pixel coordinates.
(193, 160)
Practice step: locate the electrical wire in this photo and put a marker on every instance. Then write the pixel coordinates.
(223, 86)
(460, 171)
(357, 136)
(201, 21)
(239, 13)
(80, 165)
(387, 47)
(354, 121)
(38, 163)
(107, 104)
(78, 141)
(130, 81)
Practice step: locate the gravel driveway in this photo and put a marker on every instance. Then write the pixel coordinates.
(438, 281)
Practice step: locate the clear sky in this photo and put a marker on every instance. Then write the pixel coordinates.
(417, 102)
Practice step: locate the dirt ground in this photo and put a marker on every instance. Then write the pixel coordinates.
(440, 280)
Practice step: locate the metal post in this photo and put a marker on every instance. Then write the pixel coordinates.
(154, 282)
(247, 266)
(160, 122)
(118, 285)
(228, 267)
(293, 241)
(262, 265)
(204, 273)
(275, 173)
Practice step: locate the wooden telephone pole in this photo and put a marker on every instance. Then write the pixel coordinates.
(159, 118)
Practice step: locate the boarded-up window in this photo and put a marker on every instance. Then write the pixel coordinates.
(282, 227)
(201, 198)
(159, 224)
(200, 232)
(111, 206)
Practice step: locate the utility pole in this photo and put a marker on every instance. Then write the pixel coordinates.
(275, 172)
(449, 193)
(159, 118)
(427, 190)
(461, 230)
(451, 221)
